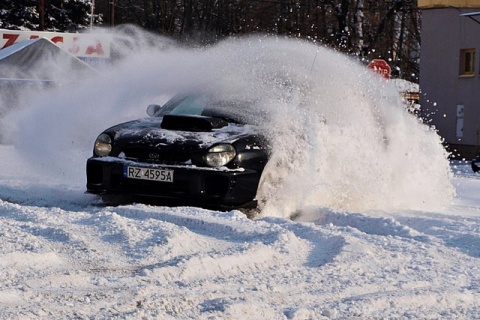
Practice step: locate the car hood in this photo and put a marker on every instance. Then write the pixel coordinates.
(149, 132)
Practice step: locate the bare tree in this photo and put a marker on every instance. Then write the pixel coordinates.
(369, 29)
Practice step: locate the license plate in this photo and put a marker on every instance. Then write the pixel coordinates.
(148, 174)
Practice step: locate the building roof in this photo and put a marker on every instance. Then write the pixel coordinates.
(428, 4)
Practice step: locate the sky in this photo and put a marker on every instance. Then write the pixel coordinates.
(385, 225)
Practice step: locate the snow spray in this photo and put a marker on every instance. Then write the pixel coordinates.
(341, 137)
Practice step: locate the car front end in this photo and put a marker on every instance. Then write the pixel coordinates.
(193, 160)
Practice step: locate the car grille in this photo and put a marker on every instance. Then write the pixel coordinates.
(156, 156)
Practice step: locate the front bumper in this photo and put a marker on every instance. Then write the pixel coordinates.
(222, 188)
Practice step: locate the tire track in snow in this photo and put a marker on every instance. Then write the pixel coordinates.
(240, 244)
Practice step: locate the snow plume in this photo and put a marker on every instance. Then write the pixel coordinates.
(340, 134)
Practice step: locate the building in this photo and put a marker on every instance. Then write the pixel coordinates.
(450, 72)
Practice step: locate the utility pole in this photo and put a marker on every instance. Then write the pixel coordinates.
(41, 11)
(91, 14)
(112, 13)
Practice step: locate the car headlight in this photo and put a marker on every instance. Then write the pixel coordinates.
(103, 145)
(220, 155)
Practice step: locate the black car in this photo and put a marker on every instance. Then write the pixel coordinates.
(195, 150)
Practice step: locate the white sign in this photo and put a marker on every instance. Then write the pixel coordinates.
(85, 45)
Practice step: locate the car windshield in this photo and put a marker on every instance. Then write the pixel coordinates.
(204, 105)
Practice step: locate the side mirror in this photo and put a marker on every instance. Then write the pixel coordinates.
(153, 109)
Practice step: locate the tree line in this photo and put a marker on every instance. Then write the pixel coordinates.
(368, 29)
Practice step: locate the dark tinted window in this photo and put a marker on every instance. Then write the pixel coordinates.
(204, 105)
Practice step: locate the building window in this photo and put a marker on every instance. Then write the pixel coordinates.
(467, 62)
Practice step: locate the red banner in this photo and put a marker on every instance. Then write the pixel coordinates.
(82, 45)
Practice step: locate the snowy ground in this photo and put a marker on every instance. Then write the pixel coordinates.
(381, 233)
(62, 256)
